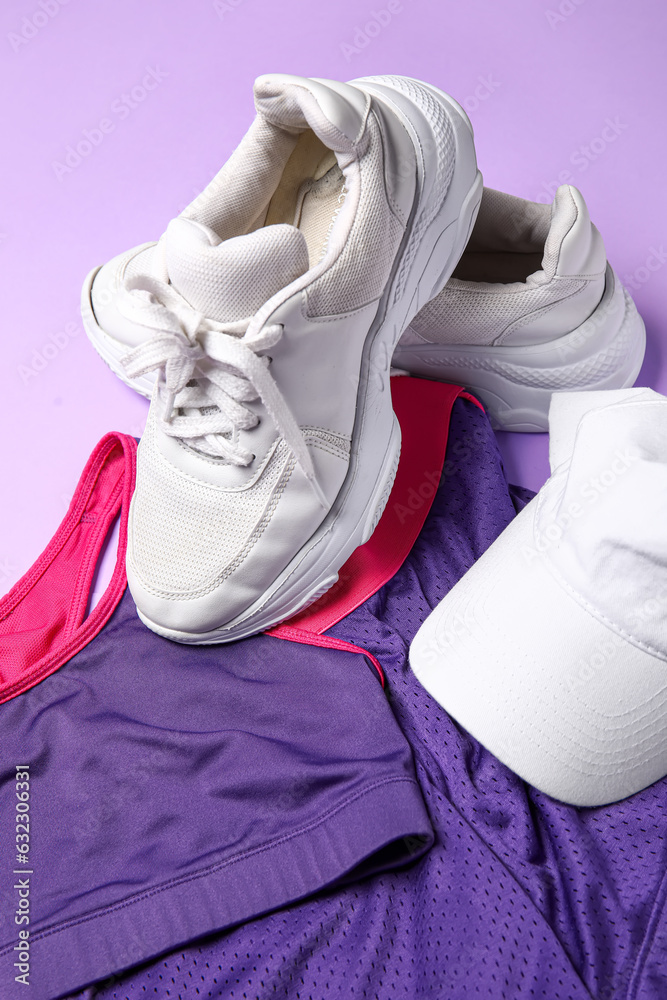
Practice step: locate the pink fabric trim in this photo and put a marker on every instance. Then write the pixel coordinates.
(42, 618)
(464, 394)
(327, 641)
(423, 409)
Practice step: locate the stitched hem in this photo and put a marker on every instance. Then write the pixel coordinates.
(76, 952)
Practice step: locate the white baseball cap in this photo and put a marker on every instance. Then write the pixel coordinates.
(552, 649)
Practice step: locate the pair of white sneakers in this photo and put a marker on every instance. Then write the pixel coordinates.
(347, 233)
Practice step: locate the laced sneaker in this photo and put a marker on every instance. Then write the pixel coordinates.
(532, 308)
(268, 314)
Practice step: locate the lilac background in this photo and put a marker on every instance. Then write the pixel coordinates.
(539, 80)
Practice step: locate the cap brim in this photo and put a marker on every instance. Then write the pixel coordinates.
(566, 702)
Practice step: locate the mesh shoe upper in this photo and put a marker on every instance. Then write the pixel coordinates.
(530, 273)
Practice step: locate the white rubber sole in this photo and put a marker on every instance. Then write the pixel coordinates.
(109, 349)
(516, 383)
(433, 250)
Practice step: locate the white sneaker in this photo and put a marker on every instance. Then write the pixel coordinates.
(533, 308)
(271, 311)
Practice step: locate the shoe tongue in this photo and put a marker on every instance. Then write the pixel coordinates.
(231, 279)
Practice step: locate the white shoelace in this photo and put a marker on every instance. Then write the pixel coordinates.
(207, 371)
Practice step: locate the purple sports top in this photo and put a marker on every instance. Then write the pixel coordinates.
(153, 792)
(519, 898)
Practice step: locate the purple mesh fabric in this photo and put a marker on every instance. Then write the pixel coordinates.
(520, 897)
